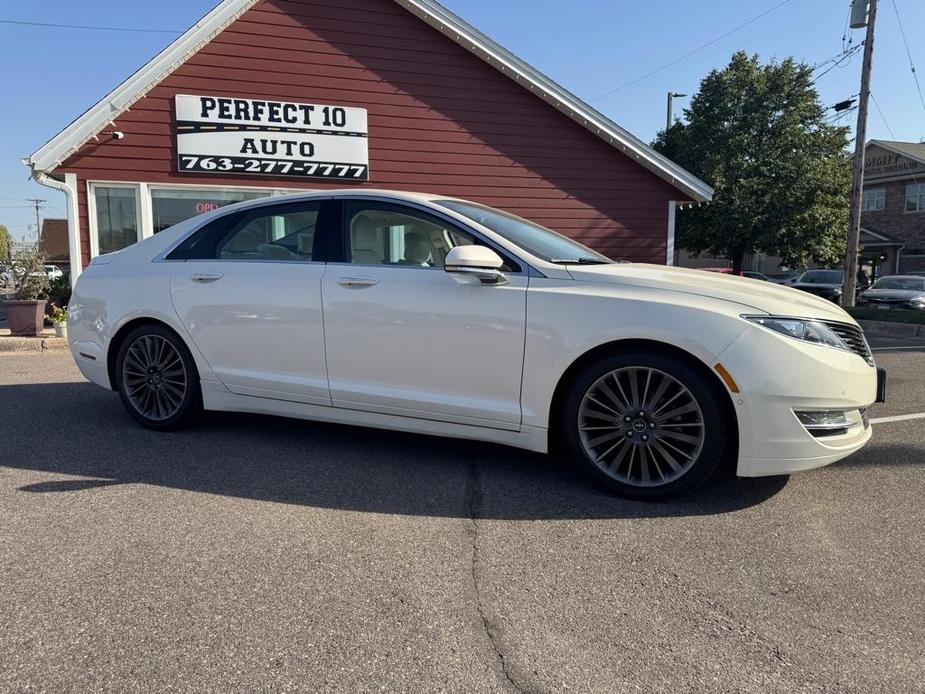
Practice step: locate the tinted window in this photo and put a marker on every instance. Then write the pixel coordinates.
(822, 277)
(906, 283)
(384, 234)
(286, 232)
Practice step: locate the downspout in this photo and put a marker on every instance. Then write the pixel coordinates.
(69, 188)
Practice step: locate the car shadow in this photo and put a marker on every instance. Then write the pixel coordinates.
(80, 430)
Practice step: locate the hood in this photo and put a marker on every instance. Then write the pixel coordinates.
(893, 294)
(761, 296)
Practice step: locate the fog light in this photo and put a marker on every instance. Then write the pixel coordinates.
(823, 422)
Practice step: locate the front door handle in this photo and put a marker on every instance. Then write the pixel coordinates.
(357, 282)
(205, 276)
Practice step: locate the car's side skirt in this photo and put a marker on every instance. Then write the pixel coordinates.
(216, 397)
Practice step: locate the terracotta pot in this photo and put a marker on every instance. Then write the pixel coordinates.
(26, 317)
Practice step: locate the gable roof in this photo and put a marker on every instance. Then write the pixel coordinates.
(91, 122)
(912, 150)
(53, 241)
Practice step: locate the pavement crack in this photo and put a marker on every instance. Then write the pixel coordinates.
(474, 506)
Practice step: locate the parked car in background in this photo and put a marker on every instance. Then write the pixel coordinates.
(53, 272)
(827, 283)
(788, 279)
(896, 291)
(436, 315)
(824, 283)
(744, 273)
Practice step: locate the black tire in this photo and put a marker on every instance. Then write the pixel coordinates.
(184, 408)
(701, 458)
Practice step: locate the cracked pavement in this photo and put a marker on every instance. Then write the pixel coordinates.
(258, 554)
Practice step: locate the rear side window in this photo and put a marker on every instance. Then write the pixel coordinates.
(289, 232)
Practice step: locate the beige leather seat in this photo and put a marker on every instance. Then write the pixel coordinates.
(366, 242)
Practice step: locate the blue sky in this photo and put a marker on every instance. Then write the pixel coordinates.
(592, 47)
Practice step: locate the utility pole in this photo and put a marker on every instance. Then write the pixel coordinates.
(860, 140)
(671, 97)
(38, 206)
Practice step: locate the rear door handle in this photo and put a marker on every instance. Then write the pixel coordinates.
(357, 282)
(205, 276)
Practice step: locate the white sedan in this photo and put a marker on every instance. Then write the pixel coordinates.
(440, 316)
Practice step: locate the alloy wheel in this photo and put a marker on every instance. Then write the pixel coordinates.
(154, 377)
(641, 426)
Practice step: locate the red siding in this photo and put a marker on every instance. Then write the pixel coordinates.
(440, 120)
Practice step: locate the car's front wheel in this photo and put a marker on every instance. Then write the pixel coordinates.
(157, 378)
(647, 425)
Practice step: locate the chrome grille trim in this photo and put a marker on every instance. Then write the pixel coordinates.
(852, 336)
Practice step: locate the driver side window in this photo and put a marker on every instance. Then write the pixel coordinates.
(389, 235)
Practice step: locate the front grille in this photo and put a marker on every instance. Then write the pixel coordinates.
(854, 338)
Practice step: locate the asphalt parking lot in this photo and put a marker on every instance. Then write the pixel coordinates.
(254, 554)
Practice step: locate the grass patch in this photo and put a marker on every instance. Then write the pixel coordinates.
(893, 315)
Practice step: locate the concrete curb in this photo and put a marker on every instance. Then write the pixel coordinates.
(45, 342)
(889, 328)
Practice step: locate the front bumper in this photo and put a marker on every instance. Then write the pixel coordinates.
(793, 375)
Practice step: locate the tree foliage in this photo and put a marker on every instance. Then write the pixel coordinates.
(782, 175)
(6, 243)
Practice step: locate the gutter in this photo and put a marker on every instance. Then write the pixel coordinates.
(69, 188)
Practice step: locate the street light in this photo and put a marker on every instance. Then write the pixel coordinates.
(671, 97)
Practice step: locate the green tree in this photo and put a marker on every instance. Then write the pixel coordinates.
(6, 241)
(782, 175)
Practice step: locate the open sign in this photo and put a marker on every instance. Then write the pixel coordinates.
(206, 207)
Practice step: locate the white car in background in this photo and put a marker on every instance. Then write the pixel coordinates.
(435, 315)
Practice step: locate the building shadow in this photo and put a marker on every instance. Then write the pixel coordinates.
(313, 464)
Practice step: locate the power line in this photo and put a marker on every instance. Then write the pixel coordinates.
(882, 116)
(690, 53)
(848, 55)
(88, 26)
(915, 75)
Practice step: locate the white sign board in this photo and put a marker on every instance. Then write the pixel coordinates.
(225, 135)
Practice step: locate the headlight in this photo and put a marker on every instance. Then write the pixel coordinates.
(801, 329)
(917, 302)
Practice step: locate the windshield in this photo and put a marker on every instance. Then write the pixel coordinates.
(910, 283)
(821, 277)
(536, 240)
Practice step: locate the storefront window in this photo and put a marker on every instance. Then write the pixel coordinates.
(116, 218)
(171, 206)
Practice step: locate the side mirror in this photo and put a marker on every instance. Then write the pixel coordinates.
(476, 261)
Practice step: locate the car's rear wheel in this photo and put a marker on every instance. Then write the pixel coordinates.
(647, 425)
(157, 379)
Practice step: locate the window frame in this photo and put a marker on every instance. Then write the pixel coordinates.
(231, 222)
(93, 221)
(920, 201)
(340, 250)
(881, 197)
(144, 205)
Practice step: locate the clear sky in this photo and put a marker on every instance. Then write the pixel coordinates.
(592, 47)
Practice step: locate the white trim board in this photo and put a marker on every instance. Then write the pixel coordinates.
(89, 125)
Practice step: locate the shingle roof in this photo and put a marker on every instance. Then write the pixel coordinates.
(913, 150)
(53, 242)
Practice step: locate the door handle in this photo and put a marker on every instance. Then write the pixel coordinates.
(205, 276)
(357, 282)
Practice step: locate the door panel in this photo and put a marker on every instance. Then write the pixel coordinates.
(425, 343)
(258, 325)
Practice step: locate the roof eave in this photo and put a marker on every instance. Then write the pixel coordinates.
(89, 124)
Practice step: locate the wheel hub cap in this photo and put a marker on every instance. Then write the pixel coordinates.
(154, 377)
(641, 426)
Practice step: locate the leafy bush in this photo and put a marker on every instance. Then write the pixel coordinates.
(29, 278)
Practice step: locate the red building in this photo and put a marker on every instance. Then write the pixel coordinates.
(264, 97)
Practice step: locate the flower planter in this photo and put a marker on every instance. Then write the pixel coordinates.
(60, 329)
(26, 318)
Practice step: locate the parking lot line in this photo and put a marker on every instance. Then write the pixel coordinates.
(898, 418)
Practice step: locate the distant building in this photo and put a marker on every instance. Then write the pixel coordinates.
(893, 207)
(53, 243)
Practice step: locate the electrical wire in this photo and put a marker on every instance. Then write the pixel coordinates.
(915, 75)
(847, 56)
(17, 22)
(690, 53)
